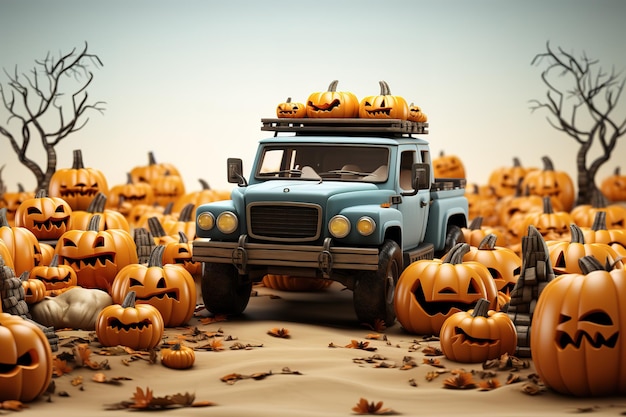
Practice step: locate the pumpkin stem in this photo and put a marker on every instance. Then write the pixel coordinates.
(547, 163)
(55, 261)
(156, 228)
(78, 159)
(589, 264)
(186, 212)
(129, 178)
(205, 185)
(547, 205)
(20, 187)
(288, 100)
(488, 242)
(182, 237)
(617, 171)
(176, 346)
(577, 234)
(151, 158)
(4, 222)
(599, 221)
(455, 255)
(129, 300)
(384, 88)
(94, 223)
(482, 308)
(476, 223)
(168, 208)
(516, 162)
(156, 256)
(97, 204)
(42, 193)
(333, 86)
(599, 200)
(24, 276)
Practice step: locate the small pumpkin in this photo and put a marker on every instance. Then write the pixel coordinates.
(553, 225)
(47, 217)
(577, 333)
(26, 363)
(290, 110)
(295, 284)
(431, 290)
(56, 278)
(123, 197)
(505, 180)
(475, 232)
(34, 289)
(181, 252)
(186, 222)
(178, 356)
(167, 188)
(552, 183)
(482, 202)
(332, 103)
(478, 335)
(76, 308)
(384, 106)
(77, 185)
(503, 263)
(11, 200)
(598, 233)
(205, 195)
(109, 218)
(154, 169)
(416, 114)
(138, 326)
(614, 186)
(448, 166)
(584, 214)
(170, 287)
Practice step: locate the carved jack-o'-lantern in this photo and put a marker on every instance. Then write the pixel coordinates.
(138, 326)
(551, 224)
(47, 217)
(416, 114)
(180, 253)
(21, 243)
(332, 103)
(578, 329)
(448, 166)
(430, 291)
(26, 360)
(154, 169)
(384, 106)
(11, 200)
(170, 288)
(55, 277)
(478, 335)
(123, 197)
(614, 186)
(506, 180)
(550, 182)
(167, 188)
(96, 255)
(503, 263)
(109, 218)
(77, 185)
(290, 109)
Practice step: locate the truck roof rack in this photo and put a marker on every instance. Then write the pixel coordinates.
(345, 126)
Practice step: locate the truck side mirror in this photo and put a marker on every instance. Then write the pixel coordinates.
(235, 170)
(421, 176)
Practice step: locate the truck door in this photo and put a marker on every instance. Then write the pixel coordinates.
(414, 208)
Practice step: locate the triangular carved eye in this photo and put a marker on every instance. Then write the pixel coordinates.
(135, 282)
(33, 210)
(563, 318)
(69, 242)
(183, 250)
(161, 283)
(60, 209)
(495, 273)
(597, 317)
(472, 288)
(99, 242)
(560, 261)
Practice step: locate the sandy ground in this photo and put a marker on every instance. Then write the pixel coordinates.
(310, 373)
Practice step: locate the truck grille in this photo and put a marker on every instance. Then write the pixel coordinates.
(288, 222)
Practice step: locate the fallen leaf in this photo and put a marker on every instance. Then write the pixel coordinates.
(77, 381)
(489, 384)
(432, 351)
(60, 367)
(355, 344)
(141, 399)
(215, 319)
(12, 405)
(462, 380)
(372, 408)
(279, 332)
(433, 362)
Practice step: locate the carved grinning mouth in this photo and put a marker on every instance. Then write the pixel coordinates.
(50, 223)
(326, 106)
(27, 359)
(438, 307)
(117, 325)
(461, 337)
(133, 197)
(166, 293)
(54, 280)
(563, 339)
(91, 261)
(73, 192)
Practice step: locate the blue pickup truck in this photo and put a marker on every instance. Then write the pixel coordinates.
(348, 200)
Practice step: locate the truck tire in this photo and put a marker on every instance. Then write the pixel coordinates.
(374, 290)
(223, 291)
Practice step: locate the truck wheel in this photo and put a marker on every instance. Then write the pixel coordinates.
(222, 289)
(374, 290)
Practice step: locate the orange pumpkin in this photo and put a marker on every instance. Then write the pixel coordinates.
(503, 263)
(551, 183)
(11, 200)
(181, 253)
(109, 218)
(22, 244)
(170, 288)
(384, 106)
(178, 356)
(448, 166)
(167, 188)
(205, 195)
(55, 277)
(186, 222)
(614, 186)
(34, 289)
(296, 284)
(598, 233)
(154, 169)
(26, 359)
(96, 255)
(506, 179)
(47, 217)
(430, 291)
(553, 225)
(584, 214)
(123, 197)
(77, 185)
(290, 110)
(416, 114)
(332, 103)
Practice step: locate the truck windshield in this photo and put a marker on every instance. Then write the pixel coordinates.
(324, 162)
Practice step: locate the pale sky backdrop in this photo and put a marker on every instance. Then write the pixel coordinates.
(191, 79)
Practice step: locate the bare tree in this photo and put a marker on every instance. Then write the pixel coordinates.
(43, 106)
(582, 100)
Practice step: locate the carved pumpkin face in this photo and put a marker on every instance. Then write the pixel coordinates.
(384, 106)
(170, 288)
(11, 200)
(22, 244)
(180, 253)
(26, 360)
(478, 335)
(47, 217)
(430, 291)
(96, 256)
(577, 334)
(416, 114)
(290, 110)
(124, 196)
(503, 263)
(332, 103)
(167, 189)
(54, 276)
(448, 166)
(146, 173)
(552, 225)
(77, 185)
(506, 180)
(138, 326)
(614, 186)
(550, 183)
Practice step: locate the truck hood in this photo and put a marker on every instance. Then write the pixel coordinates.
(306, 191)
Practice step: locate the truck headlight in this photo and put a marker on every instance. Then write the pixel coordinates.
(366, 226)
(227, 222)
(339, 226)
(206, 221)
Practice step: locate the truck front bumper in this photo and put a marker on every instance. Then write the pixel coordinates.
(326, 258)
